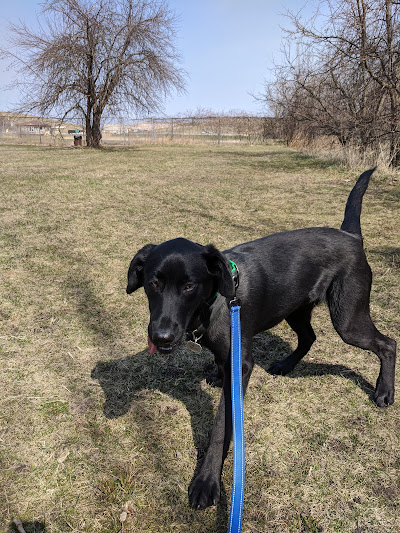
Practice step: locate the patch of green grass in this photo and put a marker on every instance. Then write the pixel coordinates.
(52, 408)
(91, 426)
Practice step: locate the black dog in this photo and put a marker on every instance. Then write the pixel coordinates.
(282, 277)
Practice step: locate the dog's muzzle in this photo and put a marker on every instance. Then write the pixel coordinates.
(162, 348)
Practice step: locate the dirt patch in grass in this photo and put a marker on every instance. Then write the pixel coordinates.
(91, 426)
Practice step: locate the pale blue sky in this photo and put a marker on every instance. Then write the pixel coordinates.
(227, 48)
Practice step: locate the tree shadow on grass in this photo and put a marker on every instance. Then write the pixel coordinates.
(277, 160)
(388, 255)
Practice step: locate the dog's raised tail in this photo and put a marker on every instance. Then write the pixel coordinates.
(351, 222)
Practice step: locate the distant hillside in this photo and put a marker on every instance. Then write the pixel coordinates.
(11, 122)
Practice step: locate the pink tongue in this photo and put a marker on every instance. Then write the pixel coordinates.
(152, 347)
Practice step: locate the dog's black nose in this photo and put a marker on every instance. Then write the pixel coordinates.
(163, 338)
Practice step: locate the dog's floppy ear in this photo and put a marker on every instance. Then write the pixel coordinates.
(218, 266)
(135, 272)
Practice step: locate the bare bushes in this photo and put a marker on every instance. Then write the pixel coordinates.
(339, 78)
(350, 155)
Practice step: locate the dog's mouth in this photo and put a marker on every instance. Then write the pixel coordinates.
(169, 348)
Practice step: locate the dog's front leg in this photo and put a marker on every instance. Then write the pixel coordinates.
(205, 488)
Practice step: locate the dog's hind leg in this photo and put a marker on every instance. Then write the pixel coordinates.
(299, 321)
(348, 302)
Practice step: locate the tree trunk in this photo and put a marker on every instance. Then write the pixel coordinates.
(96, 131)
(93, 130)
(393, 90)
(88, 131)
(394, 147)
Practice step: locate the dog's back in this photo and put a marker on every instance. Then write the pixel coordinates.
(285, 271)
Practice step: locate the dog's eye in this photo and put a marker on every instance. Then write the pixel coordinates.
(188, 287)
(154, 283)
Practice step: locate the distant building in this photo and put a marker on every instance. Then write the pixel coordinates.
(35, 128)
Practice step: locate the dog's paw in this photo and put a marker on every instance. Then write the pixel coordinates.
(204, 492)
(384, 396)
(280, 368)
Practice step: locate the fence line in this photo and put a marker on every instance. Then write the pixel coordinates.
(130, 131)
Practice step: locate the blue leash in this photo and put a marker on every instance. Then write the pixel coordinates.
(236, 512)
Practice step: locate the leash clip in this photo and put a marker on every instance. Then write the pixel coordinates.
(235, 278)
(235, 273)
(235, 302)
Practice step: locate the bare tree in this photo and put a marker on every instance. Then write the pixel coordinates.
(340, 74)
(92, 56)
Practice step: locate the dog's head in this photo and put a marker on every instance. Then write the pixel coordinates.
(178, 276)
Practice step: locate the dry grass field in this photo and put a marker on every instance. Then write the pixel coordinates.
(94, 430)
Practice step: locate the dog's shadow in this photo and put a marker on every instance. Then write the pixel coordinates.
(269, 348)
(182, 376)
(28, 527)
